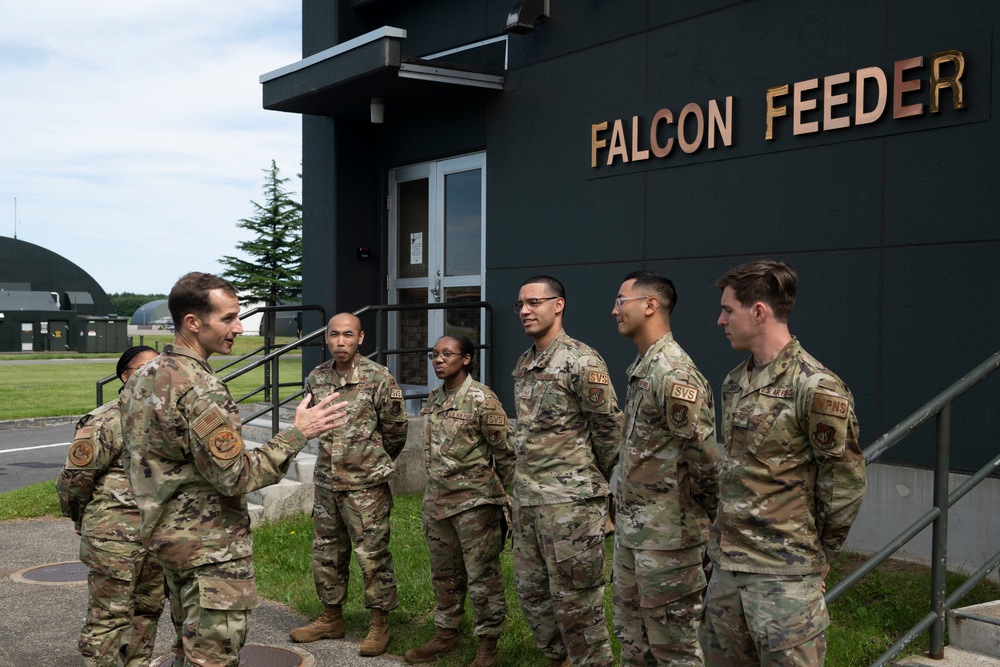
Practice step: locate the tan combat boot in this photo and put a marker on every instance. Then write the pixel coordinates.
(486, 654)
(330, 625)
(445, 640)
(378, 634)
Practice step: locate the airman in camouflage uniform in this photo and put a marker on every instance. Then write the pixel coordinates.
(567, 440)
(190, 471)
(665, 487)
(791, 486)
(469, 465)
(125, 583)
(352, 496)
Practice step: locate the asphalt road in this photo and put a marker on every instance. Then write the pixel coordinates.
(32, 455)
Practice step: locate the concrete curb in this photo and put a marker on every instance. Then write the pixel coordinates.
(38, 422)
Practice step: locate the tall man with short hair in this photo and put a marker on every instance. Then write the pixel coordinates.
(190, 470)
(353, 500)
(792, 482)
(665, 487)
(567, 440)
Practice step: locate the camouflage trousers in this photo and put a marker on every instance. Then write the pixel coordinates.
(359, 518)
(465, 557)
(211, 612)
(126, 595)
(559, 572)
(764, 619)
(658, 605)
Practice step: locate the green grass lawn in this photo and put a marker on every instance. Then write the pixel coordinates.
(52, 390)
(865, 621)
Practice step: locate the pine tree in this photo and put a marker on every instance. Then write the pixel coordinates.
(273, 275)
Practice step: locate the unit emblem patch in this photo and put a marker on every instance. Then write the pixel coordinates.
(81, 453)
(596, 396)
(225, 443)
(678, 415)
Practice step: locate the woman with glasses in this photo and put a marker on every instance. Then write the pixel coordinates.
(469, 464)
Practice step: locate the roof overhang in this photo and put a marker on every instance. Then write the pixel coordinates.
(345, 78)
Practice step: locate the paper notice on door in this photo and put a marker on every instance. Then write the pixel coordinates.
(417, 248)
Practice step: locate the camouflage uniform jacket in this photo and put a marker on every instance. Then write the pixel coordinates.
(361, 454)
(469, 462)
(794, 477)
(189, 467)
(568, 424)
(667, 486)
(94, 490)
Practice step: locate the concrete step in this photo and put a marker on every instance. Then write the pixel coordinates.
(953, 657)
(976, 628)
(283, 499)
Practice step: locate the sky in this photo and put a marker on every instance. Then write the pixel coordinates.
(132, 134)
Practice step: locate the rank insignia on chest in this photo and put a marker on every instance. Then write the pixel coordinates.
(596, 396)
(678, 415)
(643, 384)
(81, 453)
(594, 377)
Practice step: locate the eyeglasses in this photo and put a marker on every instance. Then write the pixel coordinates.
(530, 303)
(620, 301)
(446, 354)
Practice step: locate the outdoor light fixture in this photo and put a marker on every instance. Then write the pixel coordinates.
(525, 16)
(378, 110)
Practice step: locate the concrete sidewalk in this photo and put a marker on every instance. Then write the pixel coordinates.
(40, 624)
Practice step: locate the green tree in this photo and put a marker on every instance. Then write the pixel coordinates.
(126, 303)
(273, 275)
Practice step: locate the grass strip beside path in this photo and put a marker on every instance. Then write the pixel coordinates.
(865, 621)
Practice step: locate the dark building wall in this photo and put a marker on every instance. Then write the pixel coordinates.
(894, 237)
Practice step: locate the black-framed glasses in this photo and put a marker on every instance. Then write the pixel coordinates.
(446, 354)
(531, 303)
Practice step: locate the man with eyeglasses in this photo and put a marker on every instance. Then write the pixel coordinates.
(665, 487)
(352, 496)
(567, 440)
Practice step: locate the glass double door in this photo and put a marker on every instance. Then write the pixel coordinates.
(437, 220)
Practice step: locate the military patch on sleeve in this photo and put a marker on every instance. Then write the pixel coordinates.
(678, 415)
(210, 420)
(397, 407)
(684, 392)
(495, 420)
(825, 436)
(395, 393)
(82, 452)
(595, 377)
(830, 404)
(493, 437)
(596, 396)
(218, 434)
(225, 443)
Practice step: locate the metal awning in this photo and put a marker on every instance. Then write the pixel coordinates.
(345, 78)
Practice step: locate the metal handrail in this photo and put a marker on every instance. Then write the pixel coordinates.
(940, 602)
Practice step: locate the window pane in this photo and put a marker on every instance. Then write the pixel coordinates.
(465, 321)
(412, 334)
(412, 229)
(463, 196)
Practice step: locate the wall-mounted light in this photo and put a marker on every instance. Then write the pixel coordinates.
(378, 110)
(525, 16)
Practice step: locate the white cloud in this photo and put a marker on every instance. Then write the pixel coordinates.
(132, 134)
